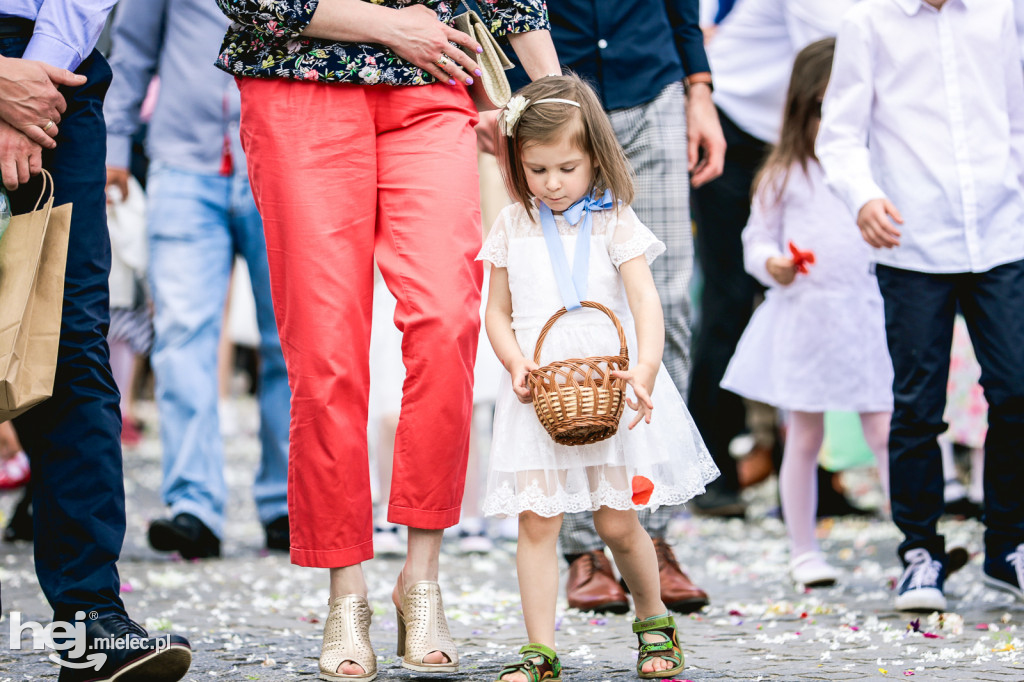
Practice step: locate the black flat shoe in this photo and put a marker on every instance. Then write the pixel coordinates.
(719, 503)
(118, 648)
(278, 535)
(186, 535)
(20, 525)
(832, 502)
(964, 508)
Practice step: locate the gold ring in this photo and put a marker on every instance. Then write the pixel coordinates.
(48, 126)
(443, 60)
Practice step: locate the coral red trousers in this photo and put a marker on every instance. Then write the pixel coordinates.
(343, 175)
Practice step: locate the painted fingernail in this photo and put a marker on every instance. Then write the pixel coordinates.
(478, 72)
(479, 50)
(469, 81)
(451, 81)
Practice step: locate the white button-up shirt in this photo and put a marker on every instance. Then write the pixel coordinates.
(926, 108)
(752, 56)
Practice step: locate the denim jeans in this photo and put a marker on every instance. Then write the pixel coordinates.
(197, 223)
(919, 311)
(73, 438)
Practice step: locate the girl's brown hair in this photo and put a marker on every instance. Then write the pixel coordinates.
(800, 117)
(588, 126)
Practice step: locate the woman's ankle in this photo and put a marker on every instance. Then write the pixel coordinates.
(348, 580)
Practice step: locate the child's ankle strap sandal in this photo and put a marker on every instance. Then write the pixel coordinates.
(548, 670)
(666, 647)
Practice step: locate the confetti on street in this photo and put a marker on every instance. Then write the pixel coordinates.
(254, 616)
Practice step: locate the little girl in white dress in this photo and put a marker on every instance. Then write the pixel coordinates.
(817, 343)
(560, 156)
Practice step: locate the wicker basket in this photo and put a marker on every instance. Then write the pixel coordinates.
(577, 400)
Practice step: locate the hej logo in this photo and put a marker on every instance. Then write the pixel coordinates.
(61, 636)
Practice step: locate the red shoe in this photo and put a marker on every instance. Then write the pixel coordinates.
(131, 435)
(15, 472)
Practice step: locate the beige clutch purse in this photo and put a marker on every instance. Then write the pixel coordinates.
(490, 91)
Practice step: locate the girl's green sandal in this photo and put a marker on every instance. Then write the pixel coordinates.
(666, 648)
(548, 670)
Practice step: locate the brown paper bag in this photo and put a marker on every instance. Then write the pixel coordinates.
(33, 254)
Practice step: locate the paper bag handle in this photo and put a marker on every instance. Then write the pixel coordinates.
(46, 190)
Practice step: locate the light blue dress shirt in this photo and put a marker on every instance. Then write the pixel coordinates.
(198, 107)
(66, 30)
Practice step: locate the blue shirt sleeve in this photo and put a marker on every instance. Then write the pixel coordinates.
(66, 31)
(137, 40)
(724, 7)
(684, 16)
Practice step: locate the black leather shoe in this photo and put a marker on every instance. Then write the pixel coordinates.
(278, 536)
(831, 501)
(117, 648)
(719, 503)
(964, 508)
(186, 535)
(20, 525)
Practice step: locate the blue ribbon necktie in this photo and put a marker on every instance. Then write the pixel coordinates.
(573, 285)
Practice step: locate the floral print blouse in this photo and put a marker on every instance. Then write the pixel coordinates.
(264, 41)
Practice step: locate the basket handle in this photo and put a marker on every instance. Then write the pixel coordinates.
(586, 304)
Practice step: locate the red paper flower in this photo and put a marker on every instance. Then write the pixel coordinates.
(801, 259)
(642, 489)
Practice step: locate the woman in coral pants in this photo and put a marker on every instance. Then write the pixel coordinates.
(358, 131)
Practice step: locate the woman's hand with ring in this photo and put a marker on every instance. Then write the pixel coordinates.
(425, 41)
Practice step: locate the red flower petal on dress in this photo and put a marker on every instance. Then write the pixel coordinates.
(801, 259)
(642, 489)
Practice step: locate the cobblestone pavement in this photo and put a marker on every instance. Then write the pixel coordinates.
(254, 616)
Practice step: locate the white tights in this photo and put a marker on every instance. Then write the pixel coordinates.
(798, 476)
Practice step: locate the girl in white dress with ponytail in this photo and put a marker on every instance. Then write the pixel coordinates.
(817, 343)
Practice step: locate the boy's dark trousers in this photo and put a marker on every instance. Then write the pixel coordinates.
(919, 313)
(73, 438)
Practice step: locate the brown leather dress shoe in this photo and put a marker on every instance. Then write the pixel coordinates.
(592, 587)
(677, 590)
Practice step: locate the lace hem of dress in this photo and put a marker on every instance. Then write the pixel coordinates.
(505, 502)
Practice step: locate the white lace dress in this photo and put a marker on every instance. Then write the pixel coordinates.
(528, 470)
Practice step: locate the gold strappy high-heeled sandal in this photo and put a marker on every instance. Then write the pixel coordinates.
(347, 638)
(423, 628)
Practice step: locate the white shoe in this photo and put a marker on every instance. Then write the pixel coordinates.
(387, 541)
(811, 570)
(475, 544)
(472, 537)
(227, 413)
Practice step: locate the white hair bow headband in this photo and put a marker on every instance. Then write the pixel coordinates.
(512, 112)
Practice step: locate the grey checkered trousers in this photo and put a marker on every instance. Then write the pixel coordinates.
(654, 137)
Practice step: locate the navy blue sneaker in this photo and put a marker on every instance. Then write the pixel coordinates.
(920, 588)
(1006, 572)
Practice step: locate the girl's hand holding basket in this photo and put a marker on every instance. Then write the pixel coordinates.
(520, 370)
